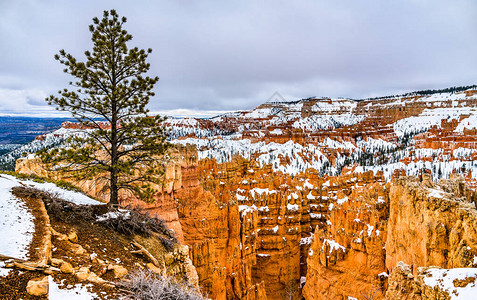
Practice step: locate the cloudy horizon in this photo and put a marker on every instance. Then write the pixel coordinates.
(214, 56)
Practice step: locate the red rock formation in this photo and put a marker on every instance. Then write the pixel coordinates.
(431, 225)
(269, 232)
(250, 229)
(346, 258)
(218, 236)
(422, 224)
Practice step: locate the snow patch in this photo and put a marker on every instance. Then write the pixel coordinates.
(78, 292)
(292, 207)
(333, 246)
(114, 215)
(443, 278)
(72, 196)
(435, 193)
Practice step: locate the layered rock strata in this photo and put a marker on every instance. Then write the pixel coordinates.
(347, 256)
(430, 224)
(263, 183)
(406, 230)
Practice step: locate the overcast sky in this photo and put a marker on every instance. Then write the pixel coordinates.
(214, 56)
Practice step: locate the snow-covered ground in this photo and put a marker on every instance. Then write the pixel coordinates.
(72, 196)
(16, 221)
(433, 117)
(444, 279)
(467, 123)
(77, 292)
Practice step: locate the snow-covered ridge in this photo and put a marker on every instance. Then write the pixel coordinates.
(317, 122)
(177, 128)
(321, 134)
(50, 140)
(334, 105)
(265, 153)
(72, 196)
(16, 220)
(437, 99)
(300, 157)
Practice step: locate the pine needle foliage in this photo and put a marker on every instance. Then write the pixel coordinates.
(109, 96)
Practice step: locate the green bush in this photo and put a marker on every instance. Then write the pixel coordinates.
(35, 178)
(21, 176)
(67, 186)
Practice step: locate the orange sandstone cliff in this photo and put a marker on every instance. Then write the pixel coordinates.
(253, 233)
(210, 226)
(310, 198)
(406, 231)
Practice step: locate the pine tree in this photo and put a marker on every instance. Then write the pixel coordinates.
(111, 92)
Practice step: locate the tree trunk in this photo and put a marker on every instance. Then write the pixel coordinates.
(114, 127)
(114, 189)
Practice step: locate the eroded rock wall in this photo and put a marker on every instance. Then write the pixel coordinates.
(250, 230)
(217, 235)
(398, 230)
(431, 224)
(347, 257)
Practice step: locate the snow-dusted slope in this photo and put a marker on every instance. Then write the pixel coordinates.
(16, 221)
(317, 122)
(434, 117)
(72, 196)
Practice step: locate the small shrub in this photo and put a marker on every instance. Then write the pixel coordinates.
(146, 285)
(38, 180)
(128, 222)
(370, 295)
(136, 221)
(68, 186)
(22, 176)
(29, 192)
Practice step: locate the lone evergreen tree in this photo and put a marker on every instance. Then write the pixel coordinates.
(111, 92)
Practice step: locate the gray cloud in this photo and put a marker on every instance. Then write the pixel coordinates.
(217, 55)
